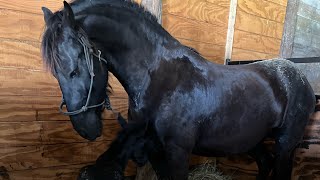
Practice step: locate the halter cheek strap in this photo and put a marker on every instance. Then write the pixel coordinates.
(89, 53)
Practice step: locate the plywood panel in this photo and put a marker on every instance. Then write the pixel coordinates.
(224, 3)
(69, 172)
(118, 105)
(199, 10)
(280, 2)
(264, 9)
(20, 54)
(37, 83)
(50, 132)
(194, 30)
(32, 6)
(207, 50)
(20, 25)
(241, 54)
(254, 24)
(30, 157)
(20, 115)
(257, 43)
(45, 108)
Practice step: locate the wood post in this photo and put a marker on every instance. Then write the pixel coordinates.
(154, 6)
(230, 32)
(289, 29)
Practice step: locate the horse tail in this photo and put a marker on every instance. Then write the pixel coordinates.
(317, 107)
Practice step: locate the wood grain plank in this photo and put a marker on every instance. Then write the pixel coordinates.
(224, 3)
(20, 54)
(263, 9)
(69, 172)
(20, 82)
(20, 25)
(306, 162)
(250, 23)
(31, 157)
(280, 2)
(194, 30)
(31, 108)
(199, 10)
(215, 59)
(35, 159)
(36, 133)
(118, 104)
(255, 42)
(34, 6)
(241, 54)
(207, 50)
(20, 115)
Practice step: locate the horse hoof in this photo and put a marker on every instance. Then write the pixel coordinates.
(86, 173)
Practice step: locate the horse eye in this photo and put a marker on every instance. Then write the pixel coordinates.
(74, 73)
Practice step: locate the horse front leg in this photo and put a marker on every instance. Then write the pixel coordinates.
(178, 161)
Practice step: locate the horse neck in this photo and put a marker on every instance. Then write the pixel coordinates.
(132, 49)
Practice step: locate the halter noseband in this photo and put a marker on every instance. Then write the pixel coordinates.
(89, 53)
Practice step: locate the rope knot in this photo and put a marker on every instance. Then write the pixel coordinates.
(84, 108)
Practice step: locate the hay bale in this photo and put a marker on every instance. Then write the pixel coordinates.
(207, 172)
(201, 172)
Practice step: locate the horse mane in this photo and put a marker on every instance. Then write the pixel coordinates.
(49, 53)
(50, 56)
(80, 5)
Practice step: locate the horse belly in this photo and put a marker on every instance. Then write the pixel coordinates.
(230, 140)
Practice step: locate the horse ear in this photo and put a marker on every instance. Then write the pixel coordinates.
(47, 14)
(68, 16)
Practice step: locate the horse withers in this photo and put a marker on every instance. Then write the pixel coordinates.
(193, 105)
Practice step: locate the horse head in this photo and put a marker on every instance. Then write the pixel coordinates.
(80, 70)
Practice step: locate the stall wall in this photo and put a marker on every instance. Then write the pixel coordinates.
(201, 24)
(36, 142)
(258, 29)
(306, 41)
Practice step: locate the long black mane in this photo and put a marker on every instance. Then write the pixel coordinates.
(128, 5)
(50, 56)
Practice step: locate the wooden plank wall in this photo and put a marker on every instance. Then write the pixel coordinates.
(307, 29)
(258, 29)
(201, 24)
(36, 142)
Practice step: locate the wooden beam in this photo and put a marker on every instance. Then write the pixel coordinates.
(155, 7)
(230, 32)
(289, 29)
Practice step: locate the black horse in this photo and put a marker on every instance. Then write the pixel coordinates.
(193, 105)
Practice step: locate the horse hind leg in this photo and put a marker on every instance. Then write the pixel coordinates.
(264, 160)
(286, 140)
